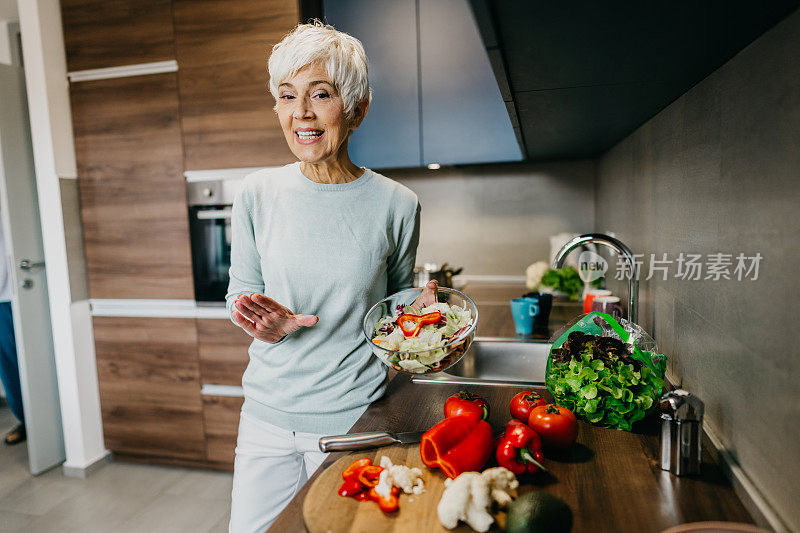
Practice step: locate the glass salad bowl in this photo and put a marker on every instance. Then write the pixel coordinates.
(425, 344)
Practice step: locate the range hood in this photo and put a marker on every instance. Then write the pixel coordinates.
(579, 77)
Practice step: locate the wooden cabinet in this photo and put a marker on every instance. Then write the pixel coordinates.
(221, 417)
(226, 108)
(150, 386)
(222, 347)
(102, 33)
(132, 190)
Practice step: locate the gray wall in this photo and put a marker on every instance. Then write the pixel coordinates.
(497, 219)
(717, 171)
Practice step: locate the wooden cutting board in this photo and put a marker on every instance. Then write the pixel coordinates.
(324, 511)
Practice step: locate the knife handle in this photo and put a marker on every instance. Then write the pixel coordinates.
(356, 441)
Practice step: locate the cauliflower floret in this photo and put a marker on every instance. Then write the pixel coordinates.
(469, 497)
(407, 479)
(501, 481)
(457, 503)
(534, 274)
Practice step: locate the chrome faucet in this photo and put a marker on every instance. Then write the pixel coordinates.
(620, 248)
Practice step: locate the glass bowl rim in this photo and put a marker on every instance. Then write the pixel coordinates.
(452, 342)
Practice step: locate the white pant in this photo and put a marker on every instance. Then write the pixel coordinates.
(271, 465)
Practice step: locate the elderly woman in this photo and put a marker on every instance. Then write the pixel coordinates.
(322, 237)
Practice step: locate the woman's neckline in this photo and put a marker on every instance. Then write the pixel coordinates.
(365, 176)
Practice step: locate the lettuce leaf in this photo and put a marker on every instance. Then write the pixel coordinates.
(615, 395)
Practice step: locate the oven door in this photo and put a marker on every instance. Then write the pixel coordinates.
(210, 227)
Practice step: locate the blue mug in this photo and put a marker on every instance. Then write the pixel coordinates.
(524, 311)
(545, 302)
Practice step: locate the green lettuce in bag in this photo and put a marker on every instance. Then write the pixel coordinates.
(605, 371)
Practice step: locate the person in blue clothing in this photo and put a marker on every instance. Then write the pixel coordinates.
(9, 366)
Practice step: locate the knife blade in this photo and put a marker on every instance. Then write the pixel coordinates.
(364, 441)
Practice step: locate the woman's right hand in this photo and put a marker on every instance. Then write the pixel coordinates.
(267, 320)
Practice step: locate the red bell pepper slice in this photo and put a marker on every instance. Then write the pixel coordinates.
(387, 505)
(418, 321)
(520, 449)
(350, 487)
(368, 475)
(351, 471)
(362, 496)
(458, 444)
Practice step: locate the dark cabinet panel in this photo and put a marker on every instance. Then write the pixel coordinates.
(464, 118)
(133, 204)
(222, 347)
(221, 416)
(222, 48)
(149, 380)
(103, 33)
(390, 135)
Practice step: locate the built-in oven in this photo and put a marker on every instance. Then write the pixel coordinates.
(210, 204)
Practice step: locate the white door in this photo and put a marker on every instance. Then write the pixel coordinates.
(19, 207)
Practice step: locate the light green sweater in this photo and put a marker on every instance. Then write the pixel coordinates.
(326, 250)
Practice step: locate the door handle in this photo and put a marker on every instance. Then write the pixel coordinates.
(27, 264)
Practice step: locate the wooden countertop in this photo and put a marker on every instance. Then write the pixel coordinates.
(611, 479)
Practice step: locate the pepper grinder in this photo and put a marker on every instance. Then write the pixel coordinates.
(681, 432)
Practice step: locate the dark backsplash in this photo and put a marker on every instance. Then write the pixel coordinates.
(717, 172)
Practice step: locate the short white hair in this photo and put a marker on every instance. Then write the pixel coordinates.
(341, 55)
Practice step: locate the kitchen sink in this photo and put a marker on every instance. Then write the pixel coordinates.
(497, 361)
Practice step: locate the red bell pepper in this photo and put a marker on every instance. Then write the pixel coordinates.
(368, 475)
(417, 322)
(350, 487)
(458, 444)
(351, 471)
(389, 504)
(520, 449)
(359, 477)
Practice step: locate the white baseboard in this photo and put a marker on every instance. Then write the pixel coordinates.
(85, 471)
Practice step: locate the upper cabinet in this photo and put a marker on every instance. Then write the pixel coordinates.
(390, 135)
(226, 109)
(102, 34)
(435, 96)
(464, 118)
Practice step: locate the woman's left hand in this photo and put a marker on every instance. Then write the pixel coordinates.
(427, 297)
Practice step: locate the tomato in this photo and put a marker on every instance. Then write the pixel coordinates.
(555, 424)
(465, 403)
(523, 403)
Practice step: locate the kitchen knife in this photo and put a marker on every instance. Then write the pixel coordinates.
(363, 441)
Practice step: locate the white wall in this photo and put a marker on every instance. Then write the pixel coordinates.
(497, 219)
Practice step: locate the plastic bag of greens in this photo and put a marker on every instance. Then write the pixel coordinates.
(605, 370)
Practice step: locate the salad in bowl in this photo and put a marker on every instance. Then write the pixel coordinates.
(421, 340)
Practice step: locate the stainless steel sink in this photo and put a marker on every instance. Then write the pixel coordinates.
(497, 361)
